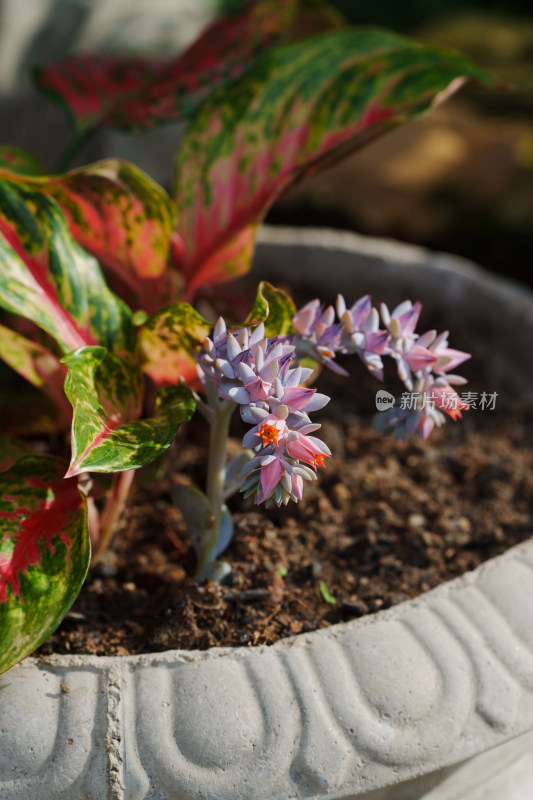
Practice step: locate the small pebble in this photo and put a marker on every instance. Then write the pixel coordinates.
(355, 608)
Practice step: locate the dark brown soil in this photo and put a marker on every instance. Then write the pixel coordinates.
(384, 522)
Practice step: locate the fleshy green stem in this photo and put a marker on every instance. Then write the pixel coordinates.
(216, 472)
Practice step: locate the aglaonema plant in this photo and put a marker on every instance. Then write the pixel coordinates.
(100, 267)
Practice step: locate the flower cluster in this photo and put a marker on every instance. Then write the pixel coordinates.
(423, 361)
(262, 377)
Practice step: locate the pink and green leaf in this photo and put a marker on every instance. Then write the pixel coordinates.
(116, 212)
(229, 261)
(90, 86)
(37, 365)
(46, 277)
(299, 109)
(106, 394)
(119, 214)
(167, 343)
(136, 93)
(19, 161)
(274, 308)
(44, 552)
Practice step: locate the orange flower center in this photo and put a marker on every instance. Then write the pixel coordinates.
(319, 459)
(269, 433)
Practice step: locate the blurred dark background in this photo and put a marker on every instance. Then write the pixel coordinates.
(405, 16)
(459, 180)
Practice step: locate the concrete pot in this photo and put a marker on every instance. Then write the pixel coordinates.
(401, 705)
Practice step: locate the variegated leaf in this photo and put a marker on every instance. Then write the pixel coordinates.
(19, 161)
(106, 395)
(167, 342)
(46, 277)
(274, 308)
(44, 552)
(135, 93)
(228, 262)
(90, 86)
(117, 213)
(298, 109)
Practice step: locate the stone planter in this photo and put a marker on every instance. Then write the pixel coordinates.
(401, 705)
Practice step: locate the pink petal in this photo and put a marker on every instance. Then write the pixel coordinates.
(450, 358)
(307, 449)
(419, 358)
(297, 486)
(407, 321)
(360, 311)
(377, 341)
(270, 476)
(296, 397)
(304, 318)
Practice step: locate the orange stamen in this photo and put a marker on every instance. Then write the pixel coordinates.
(269, 433)
(319, 459)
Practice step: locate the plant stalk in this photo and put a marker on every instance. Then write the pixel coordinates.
(114, 507)
(216, 472)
